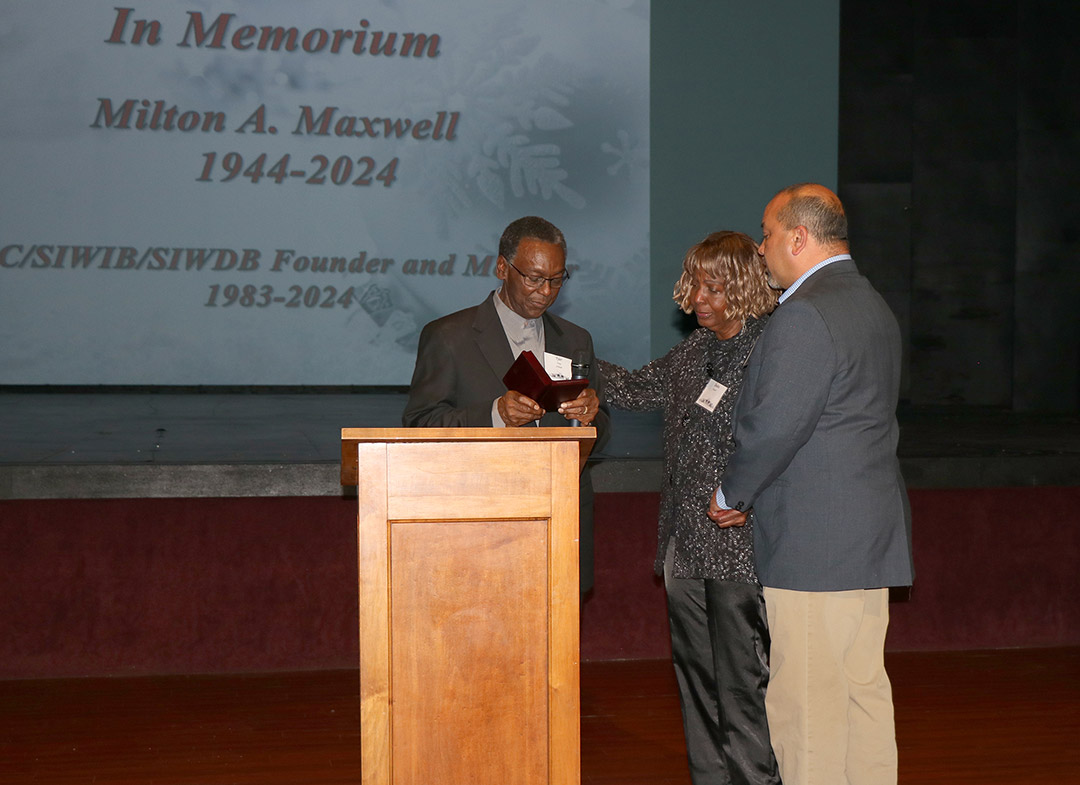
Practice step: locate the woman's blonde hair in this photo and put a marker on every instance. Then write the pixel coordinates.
(732, 259)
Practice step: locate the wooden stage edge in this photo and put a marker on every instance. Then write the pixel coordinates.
(987, 717)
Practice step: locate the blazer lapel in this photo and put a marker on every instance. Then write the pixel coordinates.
(491, 339)
(554, 339)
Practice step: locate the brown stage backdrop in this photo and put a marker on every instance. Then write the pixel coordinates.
(157, 586)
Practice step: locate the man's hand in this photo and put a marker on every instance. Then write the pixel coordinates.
(517, 409)
(583, 408)
(725, 518)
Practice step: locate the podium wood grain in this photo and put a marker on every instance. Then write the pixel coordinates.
(468, 592)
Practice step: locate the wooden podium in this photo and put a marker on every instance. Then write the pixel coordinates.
(468, 566)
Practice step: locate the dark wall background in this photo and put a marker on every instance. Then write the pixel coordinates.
(743, 101)
(959, 164)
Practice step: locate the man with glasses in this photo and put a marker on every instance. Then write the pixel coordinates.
(462, 357)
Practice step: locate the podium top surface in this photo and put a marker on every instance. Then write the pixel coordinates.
(352, 437)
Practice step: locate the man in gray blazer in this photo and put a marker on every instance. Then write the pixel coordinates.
(462, 357)
(816, 433)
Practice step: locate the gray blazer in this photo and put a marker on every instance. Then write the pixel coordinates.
(460, 363)
(816, 433)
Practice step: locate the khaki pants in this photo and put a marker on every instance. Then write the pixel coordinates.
(829, 701)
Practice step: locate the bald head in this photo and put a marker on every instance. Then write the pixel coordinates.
(819, 210)
(803, 224)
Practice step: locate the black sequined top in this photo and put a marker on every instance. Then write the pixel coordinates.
(697, 445)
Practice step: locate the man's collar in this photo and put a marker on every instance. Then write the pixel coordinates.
(506, 313)
(509, 315)
(840, 257)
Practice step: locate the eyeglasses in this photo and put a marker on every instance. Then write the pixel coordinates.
(536, 281)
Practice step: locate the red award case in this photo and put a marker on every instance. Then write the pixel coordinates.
(528, 377)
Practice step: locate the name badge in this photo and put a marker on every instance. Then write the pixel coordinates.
(711, 395)
(557, 366)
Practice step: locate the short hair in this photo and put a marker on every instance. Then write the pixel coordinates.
(533, 227)
(818, 209)
(732, 258)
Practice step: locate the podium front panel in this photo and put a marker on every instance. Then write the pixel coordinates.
(436, 480)
(469, 668)
(469, 671)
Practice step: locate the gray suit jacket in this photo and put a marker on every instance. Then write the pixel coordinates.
(460, 363)
(816, 434)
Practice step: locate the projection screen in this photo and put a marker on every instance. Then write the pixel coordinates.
(284, 193)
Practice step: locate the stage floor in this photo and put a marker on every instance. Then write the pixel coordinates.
(57, 444)
(961, 717)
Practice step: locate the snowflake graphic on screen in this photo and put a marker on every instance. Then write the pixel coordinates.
(514, 111)
(631, 157)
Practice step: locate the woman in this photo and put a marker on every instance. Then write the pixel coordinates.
(719, 638)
